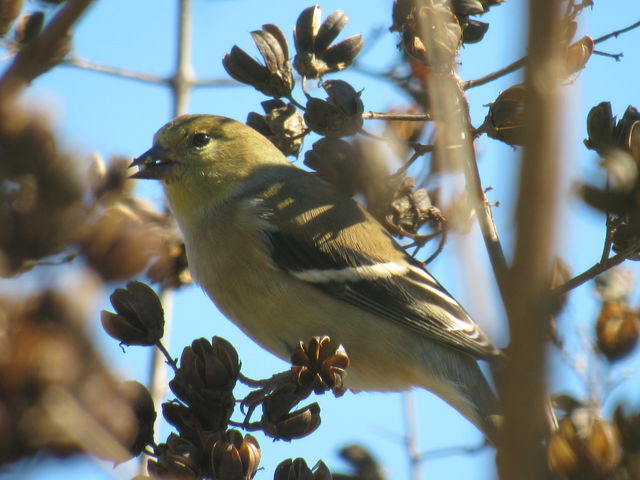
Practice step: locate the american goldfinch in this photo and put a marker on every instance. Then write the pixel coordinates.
(287, 257)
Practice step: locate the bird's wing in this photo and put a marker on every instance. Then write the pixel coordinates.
(329, 241)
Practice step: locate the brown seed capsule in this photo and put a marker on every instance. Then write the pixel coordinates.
(120, 242)
(296, 424)
(600, 127)
(432, 34)
(335, 161)
(627, 133)
(274, 78)
(205, 380)
(178, 458)
(299, 470)
(338, 116)
(282, 124)
(617, 329)
(628, 426)
(235, 457)
(320, 365)
(466, 7)
(562, 457)
(473, 31)
(602, 447)
(362, 462)
(139, 319)
(578, 55)
(28, 27)
(584, 444)
(315, 56)
(505, 120)
(141, 403)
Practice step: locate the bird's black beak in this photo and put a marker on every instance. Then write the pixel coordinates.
(153, 164)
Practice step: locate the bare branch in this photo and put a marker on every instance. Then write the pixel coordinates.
(27, 63)
(597, 269)
(523, 61)
(617, 32)
(405, 117)
(84, 64)
(522, 386)
(518, 64)
(182, 81)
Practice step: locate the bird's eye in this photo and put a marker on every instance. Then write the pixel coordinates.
(200, 140)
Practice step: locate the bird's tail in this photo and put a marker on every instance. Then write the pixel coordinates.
(461, 384)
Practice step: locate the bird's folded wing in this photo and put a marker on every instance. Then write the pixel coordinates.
(332, 244)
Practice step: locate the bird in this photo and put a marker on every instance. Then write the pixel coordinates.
(286, 257)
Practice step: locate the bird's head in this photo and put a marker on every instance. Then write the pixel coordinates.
(206, 147)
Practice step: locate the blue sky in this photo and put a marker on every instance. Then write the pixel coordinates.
(95, 112)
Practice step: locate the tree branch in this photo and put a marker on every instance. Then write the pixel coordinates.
(28, 62)
(84, 64)
(522, 386)
(523, 61)
(596, 270)
(616, 33)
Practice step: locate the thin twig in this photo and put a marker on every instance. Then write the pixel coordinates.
(74, 61)
(597, 269)
(450, 451)
(182, 81)
(411, 437)
(168, 358)
(616, 33)
(616, 56)
(405, 117)
(520, 63)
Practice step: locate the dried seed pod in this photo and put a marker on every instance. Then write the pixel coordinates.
(338, 116)
(627, 133)
(320, 365)
(121, 241)
(141, 403)
(617, 329)
(274, 78)
(57, 397)
(205, 380)
(628, 426)
(28, 27)
(178, 458)
(473, 31)
(505, 120)
(600, 127)
(140, 317)
(299, 470)
(584, 446)
(42, 195)
(335, 161)
(433, 35)
(315, 55)
(362, 462)
(291, 425)
(235, 457)
(466, 7)
(282, 124)
(578, 55)
(625, 236)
